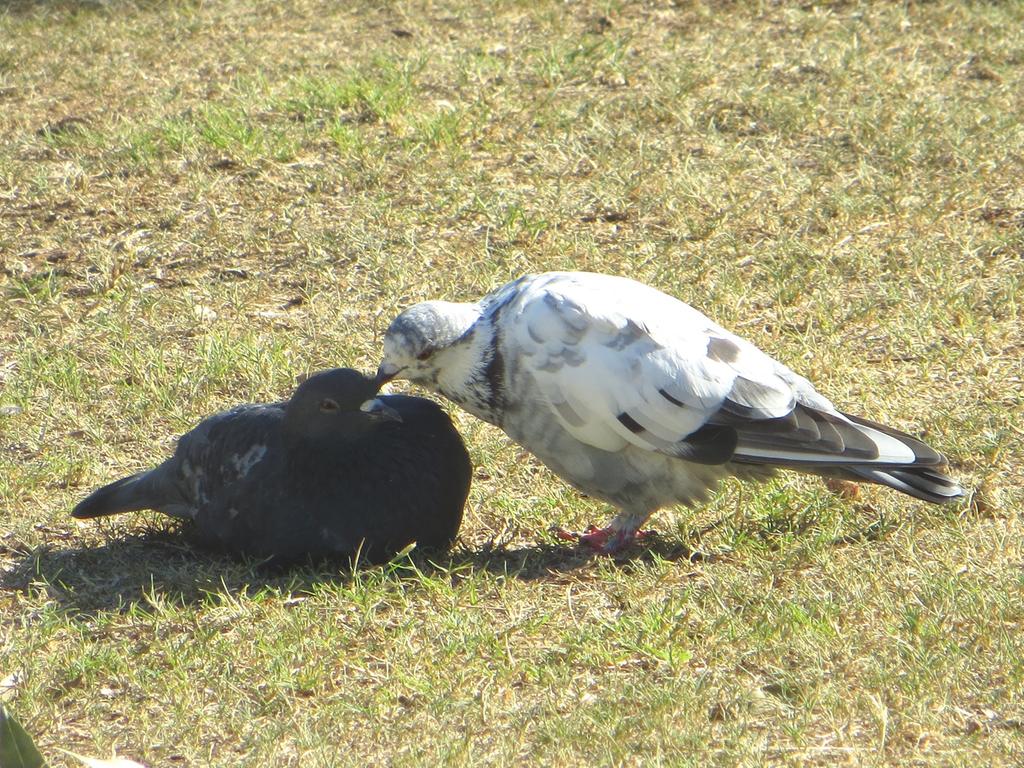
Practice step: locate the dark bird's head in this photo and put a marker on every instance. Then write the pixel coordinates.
(340, 404)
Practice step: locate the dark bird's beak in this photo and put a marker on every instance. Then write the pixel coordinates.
(386, 372)
(378, 407)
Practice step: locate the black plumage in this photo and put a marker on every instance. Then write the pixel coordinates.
(334, 472)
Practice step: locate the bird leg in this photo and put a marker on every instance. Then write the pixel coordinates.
(623, 531)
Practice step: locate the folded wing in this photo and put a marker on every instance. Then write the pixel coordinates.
(621, 364)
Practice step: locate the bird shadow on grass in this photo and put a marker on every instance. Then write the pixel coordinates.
(144, 569)
(133, 570)
(543, 560)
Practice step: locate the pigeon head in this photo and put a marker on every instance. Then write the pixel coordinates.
(338, 404)
(417, 339)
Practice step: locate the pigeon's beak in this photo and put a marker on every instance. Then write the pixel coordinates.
(378, 407)
(386, 372)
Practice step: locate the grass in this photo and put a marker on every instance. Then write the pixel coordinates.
(201, 201)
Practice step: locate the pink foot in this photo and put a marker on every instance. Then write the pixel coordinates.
(607, 541)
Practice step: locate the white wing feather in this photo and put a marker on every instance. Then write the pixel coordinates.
(620, 363)
(599, 347)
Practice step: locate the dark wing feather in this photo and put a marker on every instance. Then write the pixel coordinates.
(207, 458)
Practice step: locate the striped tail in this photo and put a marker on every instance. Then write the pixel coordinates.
(841, 445)
(920, 482)
(920, 479)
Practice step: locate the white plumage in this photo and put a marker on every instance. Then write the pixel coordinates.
(637, 398)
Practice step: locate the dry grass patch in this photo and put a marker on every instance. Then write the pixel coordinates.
(201, 201)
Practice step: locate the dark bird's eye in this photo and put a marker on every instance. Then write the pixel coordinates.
(425, 354)
(327, 405)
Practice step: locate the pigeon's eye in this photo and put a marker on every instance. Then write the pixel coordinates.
(327, 405)
(425, 353)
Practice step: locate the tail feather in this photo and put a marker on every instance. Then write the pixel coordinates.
(129, 494)
(919, 482)
(854, 448)
(924, 454)
(920, 478)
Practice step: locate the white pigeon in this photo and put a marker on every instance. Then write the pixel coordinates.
(636, 398)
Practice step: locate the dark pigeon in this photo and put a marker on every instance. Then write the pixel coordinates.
(336, 472)
(639, 399)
